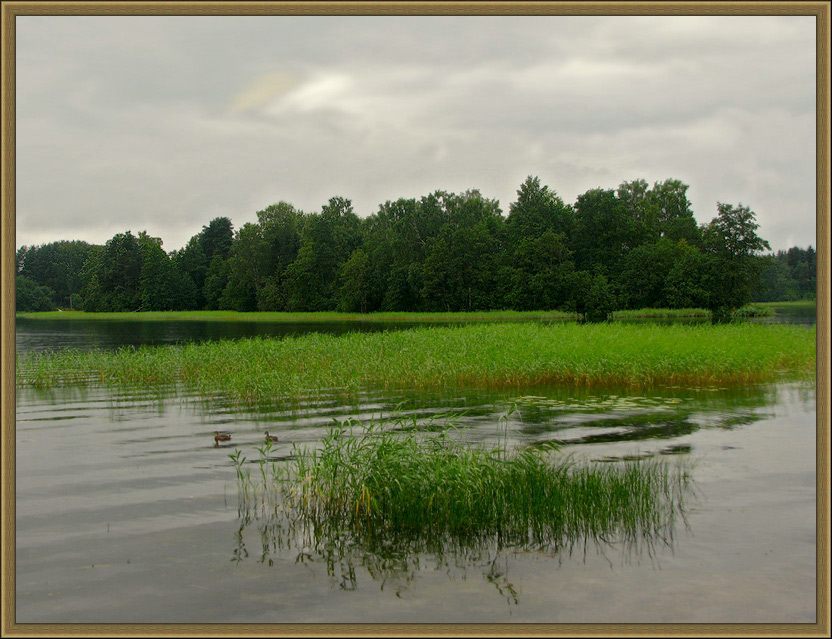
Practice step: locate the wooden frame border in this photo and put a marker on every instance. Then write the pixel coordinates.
(10, 10)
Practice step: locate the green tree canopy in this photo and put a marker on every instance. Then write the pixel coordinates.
(536, 211)
(31, 297)
(635, 246)
(605, 232)
(56, 265)
(732, 246)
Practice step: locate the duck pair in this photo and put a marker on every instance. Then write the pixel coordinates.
(225, 437)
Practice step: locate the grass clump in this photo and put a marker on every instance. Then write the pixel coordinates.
(383, 487)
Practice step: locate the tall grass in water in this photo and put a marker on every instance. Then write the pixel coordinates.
(484, 355)
(394, 497)
(383, 488)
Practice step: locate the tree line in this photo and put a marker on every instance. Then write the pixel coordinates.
(636, 246)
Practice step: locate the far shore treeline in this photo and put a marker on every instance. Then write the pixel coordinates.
(627, 248)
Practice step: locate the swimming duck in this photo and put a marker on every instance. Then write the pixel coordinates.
(270, 438)
(221, 437)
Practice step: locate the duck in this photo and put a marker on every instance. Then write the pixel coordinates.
(270, 438)
(221, 437)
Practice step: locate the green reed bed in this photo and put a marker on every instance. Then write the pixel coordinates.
(379, 485)
(484, 355)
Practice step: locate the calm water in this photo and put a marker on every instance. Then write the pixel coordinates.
(39, 335)
(127, 512)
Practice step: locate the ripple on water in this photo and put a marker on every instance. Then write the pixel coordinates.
(123, 475)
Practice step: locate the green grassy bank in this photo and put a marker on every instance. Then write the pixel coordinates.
(479, 355)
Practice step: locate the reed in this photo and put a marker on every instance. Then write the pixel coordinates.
(380, 487)
(474, 356)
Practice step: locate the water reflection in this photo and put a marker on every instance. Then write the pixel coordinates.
(397, 562)
(389, 567)
(565, 416)
(538, 416)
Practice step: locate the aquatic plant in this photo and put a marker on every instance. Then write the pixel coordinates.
(475, 356)
(393, 497)
(384, 489)
(381, 484)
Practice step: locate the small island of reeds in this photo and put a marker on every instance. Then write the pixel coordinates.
(475, 356)
(374, 487)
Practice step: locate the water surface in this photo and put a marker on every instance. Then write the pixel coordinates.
(127, 512)
(55, 334)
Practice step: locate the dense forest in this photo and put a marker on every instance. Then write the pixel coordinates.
(632, 247)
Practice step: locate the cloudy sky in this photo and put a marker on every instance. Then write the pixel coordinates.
(163, 123)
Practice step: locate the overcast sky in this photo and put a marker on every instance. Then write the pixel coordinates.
(163, 123)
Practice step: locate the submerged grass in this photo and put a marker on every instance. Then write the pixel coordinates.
(379, 487)
(484, 355)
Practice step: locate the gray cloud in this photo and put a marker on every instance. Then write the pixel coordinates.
(162, 123)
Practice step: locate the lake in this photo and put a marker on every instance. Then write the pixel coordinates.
(127, 510)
